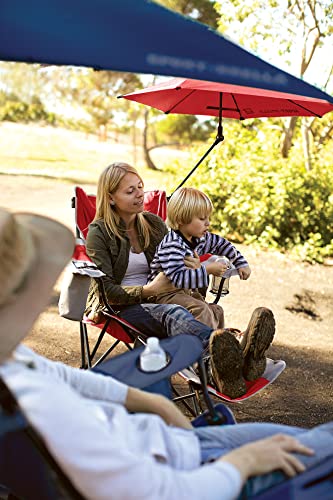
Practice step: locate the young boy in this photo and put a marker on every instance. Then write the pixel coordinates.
(189, 211)
(188, 218)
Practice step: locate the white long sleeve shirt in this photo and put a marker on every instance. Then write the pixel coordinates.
(106, 452)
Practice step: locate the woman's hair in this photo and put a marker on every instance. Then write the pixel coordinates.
(186, 203)
(108, 183)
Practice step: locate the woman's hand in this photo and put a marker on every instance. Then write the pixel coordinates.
(244, 272)
(160, 284)
(192, 262)
(268, 455)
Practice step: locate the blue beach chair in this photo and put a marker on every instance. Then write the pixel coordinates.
(29, 472)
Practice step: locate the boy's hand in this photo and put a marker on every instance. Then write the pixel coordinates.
(244, 272)
(217, 268)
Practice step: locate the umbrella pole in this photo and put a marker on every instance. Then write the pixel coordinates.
(219, 138)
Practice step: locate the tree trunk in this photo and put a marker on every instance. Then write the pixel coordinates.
(288, 137)
(134, 144)
(306, 145)
(149, 162)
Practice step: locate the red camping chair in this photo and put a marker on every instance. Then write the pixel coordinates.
(85, 206)
(121, 330)
(118, 328)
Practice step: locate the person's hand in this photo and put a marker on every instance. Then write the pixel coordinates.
(244, 272)
(217, 268)
(192, 262)
(160, 284)
(268, 455)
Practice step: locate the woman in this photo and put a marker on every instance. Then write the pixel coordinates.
(122, 241)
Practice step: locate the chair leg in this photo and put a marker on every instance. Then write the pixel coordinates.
(105, 354)
(182, 399)
(85, 349)
(196, 399)
(100, 338)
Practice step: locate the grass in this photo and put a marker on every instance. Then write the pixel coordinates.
(76, 156)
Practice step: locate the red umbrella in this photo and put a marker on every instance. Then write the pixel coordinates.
(197, 97)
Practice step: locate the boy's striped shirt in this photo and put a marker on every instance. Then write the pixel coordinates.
(170, 253)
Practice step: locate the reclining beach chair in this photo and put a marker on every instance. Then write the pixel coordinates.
(120, 330)
(27, 469)
(29, 472)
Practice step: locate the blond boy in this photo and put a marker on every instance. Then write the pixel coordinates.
(189, 213)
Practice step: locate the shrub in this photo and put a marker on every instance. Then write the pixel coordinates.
(261, 198)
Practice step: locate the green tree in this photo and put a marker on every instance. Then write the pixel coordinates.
(184, 129)
(177, 129)
(203, 11)
(95, 92)
(261, 198)
(295, 31)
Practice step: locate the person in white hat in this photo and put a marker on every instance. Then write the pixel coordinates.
(87, 419)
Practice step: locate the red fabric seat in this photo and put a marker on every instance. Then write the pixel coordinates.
(85, 207)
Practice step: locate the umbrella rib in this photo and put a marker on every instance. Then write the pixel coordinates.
(237, 107)
(306, 109)
(179, 102)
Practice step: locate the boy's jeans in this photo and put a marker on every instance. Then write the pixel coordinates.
(165, 320)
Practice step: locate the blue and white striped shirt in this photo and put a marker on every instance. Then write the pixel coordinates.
(170, 253)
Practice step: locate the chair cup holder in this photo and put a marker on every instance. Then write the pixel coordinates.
(168, 361)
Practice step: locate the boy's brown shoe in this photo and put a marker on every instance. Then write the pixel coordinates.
(255, 341)
(226, 361)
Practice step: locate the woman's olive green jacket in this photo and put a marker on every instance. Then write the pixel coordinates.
(110, 254)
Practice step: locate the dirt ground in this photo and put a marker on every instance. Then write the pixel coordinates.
(300, 295)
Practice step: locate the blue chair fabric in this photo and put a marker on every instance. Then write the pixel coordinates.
(28, 471)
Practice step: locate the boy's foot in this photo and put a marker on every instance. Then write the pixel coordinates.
(255, 341)
(226, 361)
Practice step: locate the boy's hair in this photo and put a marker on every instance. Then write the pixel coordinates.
(185, 204)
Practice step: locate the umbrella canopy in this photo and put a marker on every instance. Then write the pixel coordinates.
(195, 97)
(135, 36)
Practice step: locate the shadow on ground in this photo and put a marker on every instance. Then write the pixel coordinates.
(285, 401)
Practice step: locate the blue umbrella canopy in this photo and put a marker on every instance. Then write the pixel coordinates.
(136, 36)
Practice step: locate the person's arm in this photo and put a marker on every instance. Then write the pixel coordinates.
(218, 245)
(96, 453)
(89, 384)
(98, 249)
(105, 388)
(172, 259)
(268, 455)
(145, 402)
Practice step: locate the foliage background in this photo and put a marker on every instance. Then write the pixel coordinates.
(271, 180)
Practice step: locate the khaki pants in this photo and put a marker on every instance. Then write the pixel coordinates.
(209, 314)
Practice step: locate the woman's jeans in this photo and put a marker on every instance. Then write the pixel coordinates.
(216, 441)
(165, 320)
